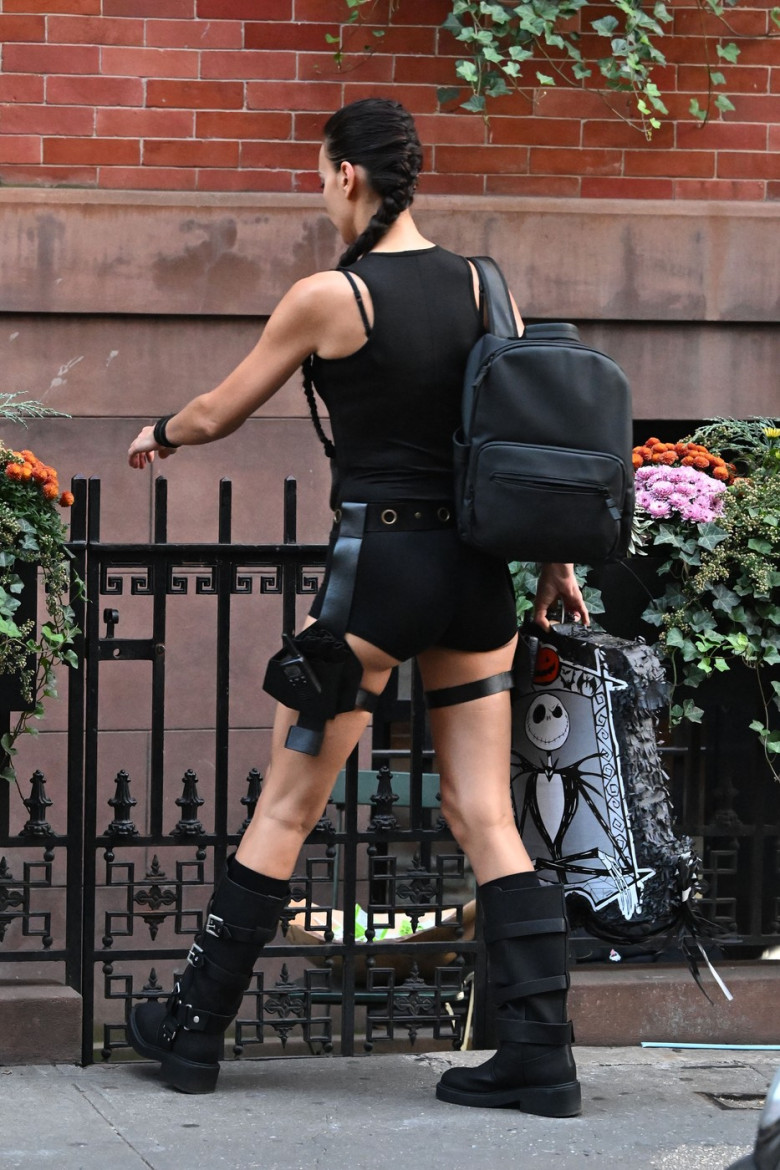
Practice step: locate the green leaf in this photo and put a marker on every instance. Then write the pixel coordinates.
(775, 14)
(447, 93)
(475, 104)
(728, 52)
(716, 77)
(492, 56)
(544, 78)
(696, 111)
(690, 711)
(723, 103)
(496, 12)
(605, 26)
(468, 71)
(497, 88)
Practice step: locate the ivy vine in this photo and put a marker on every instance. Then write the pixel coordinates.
(553, 39)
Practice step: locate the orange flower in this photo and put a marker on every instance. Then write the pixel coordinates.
(50, 491)
(668, 457)
(637, 460)
(720, 473)
(701, 462)
(13, 471)
(66, 499)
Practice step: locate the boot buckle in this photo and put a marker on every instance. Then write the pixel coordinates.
(195, 956)
(215, 925)
(174, 999)
(169, 1030)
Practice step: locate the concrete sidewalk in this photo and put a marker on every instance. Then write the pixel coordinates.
(643, 1109)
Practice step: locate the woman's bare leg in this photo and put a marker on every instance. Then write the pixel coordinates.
(472, 742)
(296, 786)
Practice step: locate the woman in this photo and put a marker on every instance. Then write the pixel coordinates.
(386, 344)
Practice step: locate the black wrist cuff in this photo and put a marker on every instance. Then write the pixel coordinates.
(160, 436)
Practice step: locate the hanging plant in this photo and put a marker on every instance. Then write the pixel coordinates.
(510, 46)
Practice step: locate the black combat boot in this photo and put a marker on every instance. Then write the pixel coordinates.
(526, 933)
(186, 1033)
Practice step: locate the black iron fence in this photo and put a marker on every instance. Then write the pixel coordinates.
(108, 886)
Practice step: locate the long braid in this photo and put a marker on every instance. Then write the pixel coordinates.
(308, 389)
(379, 135)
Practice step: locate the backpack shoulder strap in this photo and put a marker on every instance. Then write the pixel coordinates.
(495, 293)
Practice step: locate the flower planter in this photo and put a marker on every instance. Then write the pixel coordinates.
(11, 698)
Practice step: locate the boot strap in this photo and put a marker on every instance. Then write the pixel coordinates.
(200, 961)
(194, 1019)
(218, 928)
(530, 987)
(496, 931)
(534, 1032)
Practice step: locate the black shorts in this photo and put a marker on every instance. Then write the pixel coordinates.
(415, 590)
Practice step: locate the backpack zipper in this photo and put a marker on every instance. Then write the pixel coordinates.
(562, 487)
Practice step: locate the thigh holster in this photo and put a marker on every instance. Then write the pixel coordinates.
(317, 673)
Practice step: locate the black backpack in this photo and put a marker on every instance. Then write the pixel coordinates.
(543, 467)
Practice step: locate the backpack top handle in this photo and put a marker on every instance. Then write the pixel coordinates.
(494, 294)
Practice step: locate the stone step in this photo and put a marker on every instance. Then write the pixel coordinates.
(40, 1023)
(625, 1005)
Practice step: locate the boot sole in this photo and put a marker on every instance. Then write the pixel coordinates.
(555, 1101)
(185, 1075)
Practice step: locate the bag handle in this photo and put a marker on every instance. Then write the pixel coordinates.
(494, 293)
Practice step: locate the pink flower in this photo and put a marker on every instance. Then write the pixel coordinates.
(691, 494)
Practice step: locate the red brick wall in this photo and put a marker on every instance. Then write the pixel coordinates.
(230, 95)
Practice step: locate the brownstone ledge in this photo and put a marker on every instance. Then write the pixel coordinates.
(40, 1023)
(627, 1005)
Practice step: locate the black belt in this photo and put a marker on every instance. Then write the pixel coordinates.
(404, 515)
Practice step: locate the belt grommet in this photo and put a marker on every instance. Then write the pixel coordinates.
(418, 515)
(389, 516)
(337, 516)
(443, 514)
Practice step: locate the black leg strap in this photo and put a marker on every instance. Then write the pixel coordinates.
(530, 987)
(257, 935)
(531, 1032)
(495, 931)
(467, 692)
(306, 735)
(337, 599)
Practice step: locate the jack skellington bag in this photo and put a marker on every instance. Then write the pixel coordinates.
(591, 796)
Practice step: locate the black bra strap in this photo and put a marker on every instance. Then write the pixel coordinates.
(359, 299)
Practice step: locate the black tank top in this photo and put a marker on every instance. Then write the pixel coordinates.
(395, 403)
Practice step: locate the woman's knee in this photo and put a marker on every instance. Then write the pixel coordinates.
(472, 818)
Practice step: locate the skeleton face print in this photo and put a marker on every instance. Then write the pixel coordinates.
(547, 722)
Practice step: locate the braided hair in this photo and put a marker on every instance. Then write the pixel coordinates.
(379, 135)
